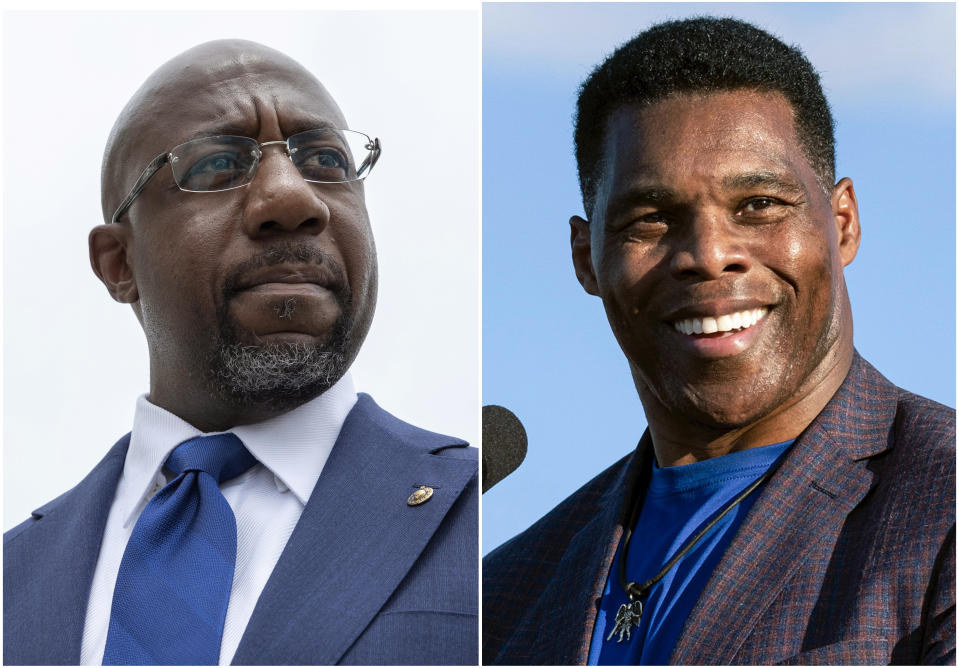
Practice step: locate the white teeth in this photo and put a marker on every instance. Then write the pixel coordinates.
(722, 323)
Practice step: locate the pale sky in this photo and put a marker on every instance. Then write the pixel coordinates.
(75, 361)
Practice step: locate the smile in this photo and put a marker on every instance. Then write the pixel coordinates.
(739, 320)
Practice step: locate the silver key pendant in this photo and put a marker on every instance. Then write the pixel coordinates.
(627, 617)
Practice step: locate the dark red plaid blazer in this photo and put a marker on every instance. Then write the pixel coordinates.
(847, 557)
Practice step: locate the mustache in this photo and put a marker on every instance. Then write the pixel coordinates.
(290, 252)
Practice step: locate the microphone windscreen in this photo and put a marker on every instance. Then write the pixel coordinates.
(504, 444)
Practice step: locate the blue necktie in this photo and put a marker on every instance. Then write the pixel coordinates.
(173, 586)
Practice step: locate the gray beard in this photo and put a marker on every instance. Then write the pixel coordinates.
(281, 376)
(276, 376)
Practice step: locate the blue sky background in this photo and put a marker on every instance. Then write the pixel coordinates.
(889, 73)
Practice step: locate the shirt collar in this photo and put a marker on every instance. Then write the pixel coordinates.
(294, 446)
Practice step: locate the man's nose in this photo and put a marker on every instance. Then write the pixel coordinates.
(280, 200)
(709, 246)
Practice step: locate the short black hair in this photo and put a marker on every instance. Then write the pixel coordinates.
(701, 55)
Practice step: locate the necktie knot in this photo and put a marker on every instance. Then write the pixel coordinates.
(173, 586)
(222, 456)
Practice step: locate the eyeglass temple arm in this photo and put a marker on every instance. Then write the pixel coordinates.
(141, 183)
(367, 164)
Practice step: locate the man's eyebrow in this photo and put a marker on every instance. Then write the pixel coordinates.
(764, 179)
(645, 195)
(234, 128)
(640, 196)
(243, 129)
(312, 124)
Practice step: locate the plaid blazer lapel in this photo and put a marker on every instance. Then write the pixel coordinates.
(822, 479)
(560, 622)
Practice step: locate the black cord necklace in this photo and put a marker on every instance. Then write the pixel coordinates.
(629, 614)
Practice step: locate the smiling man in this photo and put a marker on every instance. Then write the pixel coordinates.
(260, 511)
(787, 502)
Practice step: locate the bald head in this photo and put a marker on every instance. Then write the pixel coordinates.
(196, 83)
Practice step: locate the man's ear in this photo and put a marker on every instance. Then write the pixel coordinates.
(845, 212)
(579, 241)
(110, 260)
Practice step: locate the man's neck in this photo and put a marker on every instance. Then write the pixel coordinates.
(679, 440)
(212, 414)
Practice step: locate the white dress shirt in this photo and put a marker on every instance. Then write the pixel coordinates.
(267, 500)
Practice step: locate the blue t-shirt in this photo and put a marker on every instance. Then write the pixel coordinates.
(680, 500)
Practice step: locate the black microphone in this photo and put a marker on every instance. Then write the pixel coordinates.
(504, 444)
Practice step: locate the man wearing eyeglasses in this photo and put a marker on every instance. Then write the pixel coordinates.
(260, 511)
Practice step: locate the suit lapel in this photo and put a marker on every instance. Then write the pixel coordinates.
(63, 544)
(562, 619)
(356, 540)
(559, 621)
(803, 506)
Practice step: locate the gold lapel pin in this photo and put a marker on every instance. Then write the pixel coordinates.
(422, 495)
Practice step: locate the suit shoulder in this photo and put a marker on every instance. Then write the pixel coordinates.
(924, 442)
(11, 534)
(913, 502)
(417, 437)
(460, 452)
(926, 422)
(98, 486)
(38, 514)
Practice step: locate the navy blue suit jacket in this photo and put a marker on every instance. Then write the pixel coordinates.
(364, 579)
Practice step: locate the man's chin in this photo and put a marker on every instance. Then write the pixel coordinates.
(275, 376)
(723, 417)
(280, 368)
(721, 407)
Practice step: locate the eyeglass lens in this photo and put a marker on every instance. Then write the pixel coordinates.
(224, 162)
